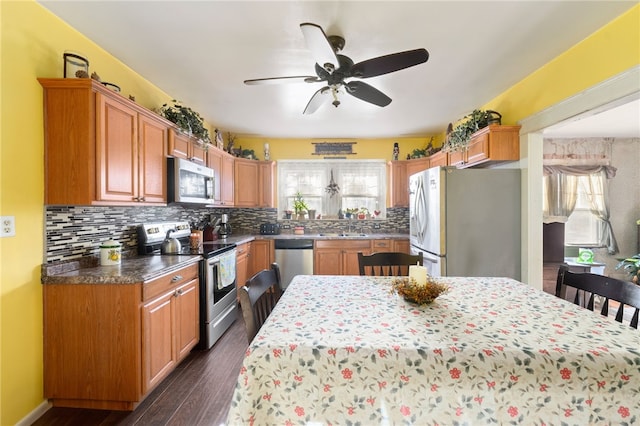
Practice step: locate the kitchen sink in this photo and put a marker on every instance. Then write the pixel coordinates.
(342, 234)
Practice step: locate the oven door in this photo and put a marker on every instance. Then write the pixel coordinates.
(221, 276)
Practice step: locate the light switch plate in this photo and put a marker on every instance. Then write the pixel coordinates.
(7, 226)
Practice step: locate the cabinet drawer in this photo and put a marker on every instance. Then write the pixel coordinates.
(170, 281)
(343, 244)
(381, 245)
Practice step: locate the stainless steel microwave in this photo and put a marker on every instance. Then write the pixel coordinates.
(189, 182)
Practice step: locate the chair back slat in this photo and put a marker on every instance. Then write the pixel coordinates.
(258, 297)
(387, 263)
(588, 285)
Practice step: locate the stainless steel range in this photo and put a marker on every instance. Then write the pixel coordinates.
(218, 294)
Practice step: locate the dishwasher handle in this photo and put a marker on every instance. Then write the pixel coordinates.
(293, 244)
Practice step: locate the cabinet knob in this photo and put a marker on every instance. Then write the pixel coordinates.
(178, 292)
(176, 278)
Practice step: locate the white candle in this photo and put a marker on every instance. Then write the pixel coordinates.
(266, 146)
(418, 273)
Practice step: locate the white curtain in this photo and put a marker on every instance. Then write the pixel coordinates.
(560, 192)
(598, 195)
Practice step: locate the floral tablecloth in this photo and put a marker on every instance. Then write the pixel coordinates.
(343, 350)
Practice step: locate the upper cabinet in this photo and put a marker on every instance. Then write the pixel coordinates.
(184, 146)
(253, 183)
(101, 148)
(492, 144)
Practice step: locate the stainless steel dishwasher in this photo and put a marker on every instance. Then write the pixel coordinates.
(295, 257)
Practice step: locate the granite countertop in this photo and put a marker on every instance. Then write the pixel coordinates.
(131, 270)
(138, 269)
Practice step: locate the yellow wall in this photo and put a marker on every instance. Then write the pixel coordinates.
(32, 43)
(363, 148)
(607, 52)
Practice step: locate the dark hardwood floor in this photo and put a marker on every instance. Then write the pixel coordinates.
(198, 392)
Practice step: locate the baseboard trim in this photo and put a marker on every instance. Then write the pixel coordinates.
(35, 414)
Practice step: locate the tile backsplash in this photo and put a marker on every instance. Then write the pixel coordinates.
(72, 232)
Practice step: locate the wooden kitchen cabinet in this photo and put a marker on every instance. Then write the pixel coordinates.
(398, 184)
(245, 183)
(262, 256)
(170, 329)
(243, 253)
(490, 145)
(339, 256)
(440, 158)
(254, 183)
(266, 184)
(184, 146)
(226, 181)
(101, 148)
(106, 346)
(402, 246)
(415, 166)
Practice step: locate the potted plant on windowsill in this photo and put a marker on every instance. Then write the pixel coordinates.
(299, 206)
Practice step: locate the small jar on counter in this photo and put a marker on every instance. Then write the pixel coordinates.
(110, 253)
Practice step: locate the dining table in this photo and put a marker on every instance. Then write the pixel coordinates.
(348, 350)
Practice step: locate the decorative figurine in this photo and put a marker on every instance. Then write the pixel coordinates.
(396, 151)
(267, 154)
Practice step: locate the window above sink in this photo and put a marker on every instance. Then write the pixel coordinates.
(362, 185)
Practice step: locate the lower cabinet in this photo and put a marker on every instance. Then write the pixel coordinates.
(262, 256)
(243, 252)
(106, 346)
(338, 257)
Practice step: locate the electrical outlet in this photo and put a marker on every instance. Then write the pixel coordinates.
(376, 226)
(8, 226)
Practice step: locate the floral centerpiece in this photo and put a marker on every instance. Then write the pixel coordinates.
(412, 291)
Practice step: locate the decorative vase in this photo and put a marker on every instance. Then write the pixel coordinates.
(312, 214)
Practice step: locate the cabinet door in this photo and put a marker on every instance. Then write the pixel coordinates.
(350, 264)
(197, 152)
(401, 246)
(418, 165)
(179, 144)
(187, 318)
(245, 183)
(327, 261)
(158, 340)
(262, 255)
(438, 159)
(116, 149)
(266, 184)
(226, 181)
(152, 161)
(242, 264)
(399, 196)
(214, 161)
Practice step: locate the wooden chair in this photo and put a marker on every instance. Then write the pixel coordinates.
(387, 263)
(587, 285)
(258, 297)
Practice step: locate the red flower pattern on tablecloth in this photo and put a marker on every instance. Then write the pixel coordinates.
(434, 364)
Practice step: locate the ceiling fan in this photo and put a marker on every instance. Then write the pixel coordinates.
(333, 68)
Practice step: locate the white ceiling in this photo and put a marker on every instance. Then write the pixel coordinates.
(201, 51)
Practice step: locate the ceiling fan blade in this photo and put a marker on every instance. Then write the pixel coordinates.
(367, 93)
(389, 63)
(317, 100)
(319, 45)
(279, 80)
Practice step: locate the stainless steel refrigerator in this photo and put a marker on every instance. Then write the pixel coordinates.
(466, 222)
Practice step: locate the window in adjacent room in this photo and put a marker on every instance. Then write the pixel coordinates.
(583, 227)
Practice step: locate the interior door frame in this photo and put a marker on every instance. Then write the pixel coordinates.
(613, 92)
